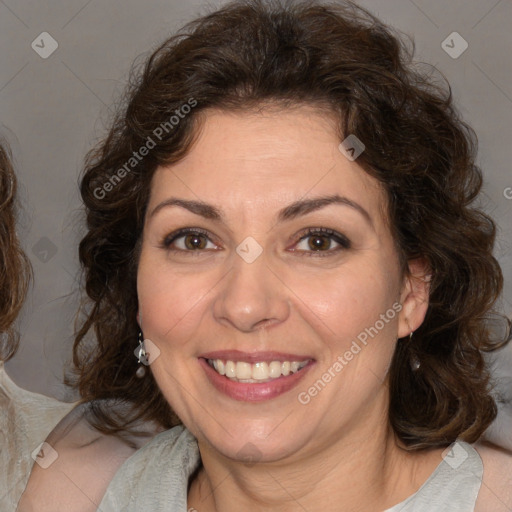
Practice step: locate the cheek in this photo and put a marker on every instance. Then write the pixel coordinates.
(169, 301)
(344, 302)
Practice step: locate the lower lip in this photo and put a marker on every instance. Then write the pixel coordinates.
(255, 391)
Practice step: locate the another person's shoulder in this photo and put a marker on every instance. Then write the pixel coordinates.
(85, 461)
(496, 491)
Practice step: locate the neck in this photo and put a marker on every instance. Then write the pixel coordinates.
(364, 469)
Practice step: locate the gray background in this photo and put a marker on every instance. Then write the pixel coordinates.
(52, 110)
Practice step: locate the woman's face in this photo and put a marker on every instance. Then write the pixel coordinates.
(269, 277)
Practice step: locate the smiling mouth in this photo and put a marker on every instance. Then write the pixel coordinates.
(259, 372)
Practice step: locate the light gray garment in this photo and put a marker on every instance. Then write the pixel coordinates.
(155, 479)
(26, 419)
(453, 486)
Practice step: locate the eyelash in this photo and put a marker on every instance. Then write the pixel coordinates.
(342, 240)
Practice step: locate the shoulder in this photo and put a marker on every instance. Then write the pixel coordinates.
(77, 467)
(156, 475)
(169, 451)
(496, 490)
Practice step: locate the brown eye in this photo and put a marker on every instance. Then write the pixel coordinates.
(319, 242)
(188, 240)
(194, 241)
(322, 240)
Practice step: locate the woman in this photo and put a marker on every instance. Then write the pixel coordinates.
(281, 227)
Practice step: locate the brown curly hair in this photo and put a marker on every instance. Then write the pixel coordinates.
(15, 269)
(339, 56)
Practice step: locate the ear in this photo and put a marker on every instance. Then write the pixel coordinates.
(414, 296)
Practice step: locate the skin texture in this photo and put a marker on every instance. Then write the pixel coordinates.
(251, 165)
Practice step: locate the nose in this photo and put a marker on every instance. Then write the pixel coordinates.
(251, 297)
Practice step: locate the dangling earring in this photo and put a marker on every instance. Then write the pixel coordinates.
(415, 362)
(140, 353)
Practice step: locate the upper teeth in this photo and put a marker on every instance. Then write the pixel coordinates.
(247, 372)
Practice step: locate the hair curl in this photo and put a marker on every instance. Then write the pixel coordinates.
(249, 53)
(15, 269)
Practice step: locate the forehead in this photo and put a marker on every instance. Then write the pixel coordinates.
(261, 159)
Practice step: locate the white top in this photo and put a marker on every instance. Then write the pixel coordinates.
(26, 419)
(155, 479)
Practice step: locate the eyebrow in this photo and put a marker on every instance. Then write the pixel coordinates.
(290, 212)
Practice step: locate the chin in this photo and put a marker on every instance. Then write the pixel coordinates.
(253, 441)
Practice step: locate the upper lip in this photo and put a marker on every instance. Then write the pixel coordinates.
(253, 357)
